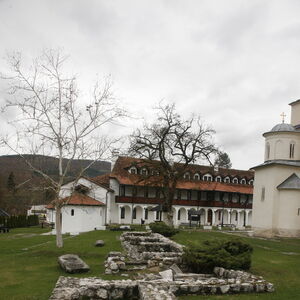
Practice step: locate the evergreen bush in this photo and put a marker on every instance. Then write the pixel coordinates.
(163, 229)
(229, 254)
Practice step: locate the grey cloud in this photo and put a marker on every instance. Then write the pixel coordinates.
(233, 62)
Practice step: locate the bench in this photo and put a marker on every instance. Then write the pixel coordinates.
(3, 228)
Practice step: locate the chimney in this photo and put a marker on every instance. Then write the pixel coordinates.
(115, 154)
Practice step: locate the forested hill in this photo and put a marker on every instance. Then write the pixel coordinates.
(21, 187)
(49, 165)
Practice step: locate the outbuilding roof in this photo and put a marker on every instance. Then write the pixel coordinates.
(78, 199)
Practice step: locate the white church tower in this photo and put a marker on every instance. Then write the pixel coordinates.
(276, 200)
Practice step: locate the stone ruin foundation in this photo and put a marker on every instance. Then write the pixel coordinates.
(147, 250)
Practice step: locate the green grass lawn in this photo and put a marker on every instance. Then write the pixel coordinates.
(270, 259)
(29, 268)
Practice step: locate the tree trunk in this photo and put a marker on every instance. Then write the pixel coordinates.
(168, 218)
(58, 219)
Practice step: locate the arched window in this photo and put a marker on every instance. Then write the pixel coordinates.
(187, 176)
(134, 213)
(267, 151)
(292, 149)
(227, 179)
(155, 172)
(178, 215)
(133, 170)
(72, 212)
(144, 172)
(207, 177)
(218, 179)
(122, 212)
(196, 176)
(243, 181)
(146, 213)
(251, 181)
(235, 180)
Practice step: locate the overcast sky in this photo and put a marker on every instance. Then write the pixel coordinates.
(236, 63)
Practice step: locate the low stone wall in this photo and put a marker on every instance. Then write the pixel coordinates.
(68, 288)
(94, 288)
(165, 285)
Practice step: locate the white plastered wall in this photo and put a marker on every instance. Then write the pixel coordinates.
(85, 218)
(267, 212)
(289, 217)
(280, 145)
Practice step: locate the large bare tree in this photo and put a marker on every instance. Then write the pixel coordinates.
(169, 145)
(53, 118)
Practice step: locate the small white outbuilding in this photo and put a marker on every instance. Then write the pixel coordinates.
(85, 206)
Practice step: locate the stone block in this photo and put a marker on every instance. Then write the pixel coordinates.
(224, 288)
(102, 293)
(72, 263)
(176, 269)
(99, 243)
(167, 275)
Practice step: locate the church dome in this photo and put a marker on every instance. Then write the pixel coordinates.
(283, 127)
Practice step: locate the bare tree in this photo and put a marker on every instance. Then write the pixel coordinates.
(53, 118)
(169, 146)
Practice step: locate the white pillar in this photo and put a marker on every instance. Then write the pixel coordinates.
(213, 217)
(119, 214)
(175, 215)
(205, 216)
(238, 218)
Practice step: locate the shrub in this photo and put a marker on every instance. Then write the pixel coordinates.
(163, 228)
(230, 254)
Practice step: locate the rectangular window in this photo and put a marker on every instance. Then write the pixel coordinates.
(146, 213)
(210, 196)
(292, 148)
(157, 215)
(263, 191)
(122, 190)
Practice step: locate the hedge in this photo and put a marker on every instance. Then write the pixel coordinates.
(163, 228)
(19, 221)
(229, 254)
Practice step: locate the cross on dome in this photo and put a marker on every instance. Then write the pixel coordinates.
(283, 115)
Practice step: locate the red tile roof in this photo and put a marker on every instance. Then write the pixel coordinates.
(102, 180)
(78, 199)
(120, 172)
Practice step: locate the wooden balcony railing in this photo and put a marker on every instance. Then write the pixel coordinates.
(200, 203)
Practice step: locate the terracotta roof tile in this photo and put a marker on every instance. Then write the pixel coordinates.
(120, 172)
(101, 180)
(78, 199)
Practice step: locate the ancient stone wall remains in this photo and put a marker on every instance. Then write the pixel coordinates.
(145, 249)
